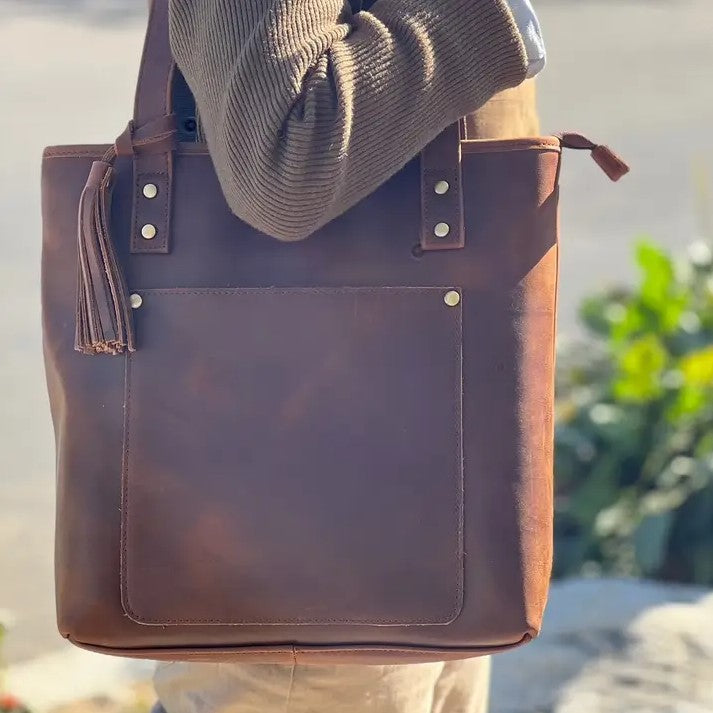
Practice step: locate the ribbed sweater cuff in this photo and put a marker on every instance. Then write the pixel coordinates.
(495, 55)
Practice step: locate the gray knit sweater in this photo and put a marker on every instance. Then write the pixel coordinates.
(308, 107)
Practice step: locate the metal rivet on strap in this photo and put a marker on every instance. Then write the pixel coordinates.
(150, 190)
(148, 232)
(136, 301)
(441, 230)
(441, 187)
(452, 298)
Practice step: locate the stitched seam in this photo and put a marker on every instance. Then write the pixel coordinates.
(163, 236)
(124, 573)
(319, 649)
(459, 464)
(469, 146)
(415, 649)
(459, 558)
(135, 238)
(73, 154)
(475, 145)
(459, 494)
(471, 150)
(391, 291)
(167, 203)
(153, 139)
(507, 145)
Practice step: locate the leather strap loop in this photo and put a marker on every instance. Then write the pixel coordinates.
(156, 137)
(442, 226)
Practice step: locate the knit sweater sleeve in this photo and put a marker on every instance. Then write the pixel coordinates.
(308, 107)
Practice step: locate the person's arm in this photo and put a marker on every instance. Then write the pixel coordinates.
(307, 108)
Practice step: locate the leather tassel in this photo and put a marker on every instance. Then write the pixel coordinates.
(614, 166)
(104, 319)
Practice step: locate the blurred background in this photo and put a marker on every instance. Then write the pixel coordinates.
(630, 623)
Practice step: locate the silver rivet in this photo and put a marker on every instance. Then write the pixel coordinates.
(148, 232)
(150, 190)
(136, 301)
(452, 298)
(441, 230)
(441, 187)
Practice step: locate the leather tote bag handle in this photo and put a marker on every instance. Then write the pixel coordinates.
(150, 224)
(441, 191)
(154, 87)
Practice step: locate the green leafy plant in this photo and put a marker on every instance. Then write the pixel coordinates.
(634, 437)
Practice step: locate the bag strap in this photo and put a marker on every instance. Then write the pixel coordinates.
(153, 90)
(153, 171)
(442, 225)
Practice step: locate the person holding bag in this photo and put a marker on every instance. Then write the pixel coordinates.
(313, 472)
(299, 130)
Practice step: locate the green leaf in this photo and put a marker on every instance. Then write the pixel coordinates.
(657, 272)
(689, 402)
(641, 365)
(697, 367)
(632, 324)
(661, 301)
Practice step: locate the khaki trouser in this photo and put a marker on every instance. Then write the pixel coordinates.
(453, 687)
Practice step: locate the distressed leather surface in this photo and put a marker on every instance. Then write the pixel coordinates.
(506, 274)
(310, 456)
(300, 498)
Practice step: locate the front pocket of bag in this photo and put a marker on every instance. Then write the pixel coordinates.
(294, 456)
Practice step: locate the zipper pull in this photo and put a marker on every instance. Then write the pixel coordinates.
(606, 159)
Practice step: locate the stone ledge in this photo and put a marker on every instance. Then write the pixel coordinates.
(613, 646)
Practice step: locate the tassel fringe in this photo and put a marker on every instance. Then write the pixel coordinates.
(104, 314)
(104, 319)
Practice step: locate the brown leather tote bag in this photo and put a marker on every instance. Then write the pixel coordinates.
(332, 450)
